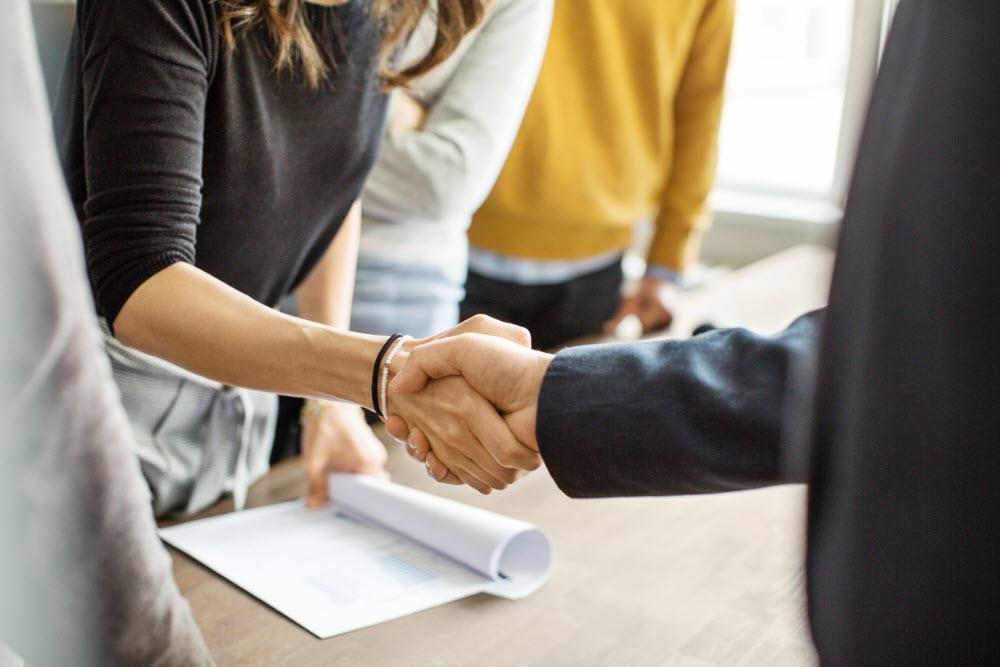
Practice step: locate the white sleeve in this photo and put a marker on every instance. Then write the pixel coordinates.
(446, 169)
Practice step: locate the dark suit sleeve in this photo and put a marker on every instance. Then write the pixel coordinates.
(674, 417)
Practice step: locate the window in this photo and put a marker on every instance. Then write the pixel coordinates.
(799, 79)
(785, 98)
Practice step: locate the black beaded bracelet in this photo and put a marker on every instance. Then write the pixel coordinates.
(375, 372)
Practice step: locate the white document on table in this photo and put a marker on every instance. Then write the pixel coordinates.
(379, 551)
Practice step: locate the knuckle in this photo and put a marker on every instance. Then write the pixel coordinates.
(444, 458)
(465, 406)
(506, 458)
(534, 462)
(415, 357)
(450, 457)
(453, 432)
(522, 460)
(521, 335)
(480, 321)
(473, 482)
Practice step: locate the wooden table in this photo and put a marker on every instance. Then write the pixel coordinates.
(692, 581)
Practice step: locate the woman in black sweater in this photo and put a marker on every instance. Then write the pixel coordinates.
(215, 151)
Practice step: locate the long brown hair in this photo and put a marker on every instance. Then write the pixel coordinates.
(295, 45)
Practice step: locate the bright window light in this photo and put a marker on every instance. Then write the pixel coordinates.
(785, 97)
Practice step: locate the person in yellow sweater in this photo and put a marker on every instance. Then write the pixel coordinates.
(622, 126)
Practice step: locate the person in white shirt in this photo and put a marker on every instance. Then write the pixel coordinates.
(446, 141)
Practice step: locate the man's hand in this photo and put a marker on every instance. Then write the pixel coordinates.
(336, 438)
(499, 371)
(405, 114)
(479, 324)
(466, 431)
(653, 301)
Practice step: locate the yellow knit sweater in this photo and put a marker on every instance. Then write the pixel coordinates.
(622, 126)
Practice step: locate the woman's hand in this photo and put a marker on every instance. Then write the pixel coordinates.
(468, 436)
(477, 324)
(335, 437)
(506, 375)
(468, 433)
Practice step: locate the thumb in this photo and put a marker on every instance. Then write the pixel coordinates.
(429, 361)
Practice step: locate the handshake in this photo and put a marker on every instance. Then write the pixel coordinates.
(465, 403)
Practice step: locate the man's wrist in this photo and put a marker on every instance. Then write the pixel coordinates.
(542, 362)
(663, 273)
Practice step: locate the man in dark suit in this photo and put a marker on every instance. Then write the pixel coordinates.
(887, 404)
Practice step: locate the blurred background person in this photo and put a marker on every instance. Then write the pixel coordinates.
(612, 135)
(84, 579)
(447, 136)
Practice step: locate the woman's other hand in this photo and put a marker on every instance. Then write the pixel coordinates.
(335, 437)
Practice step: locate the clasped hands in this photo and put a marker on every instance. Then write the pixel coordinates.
(465, 403)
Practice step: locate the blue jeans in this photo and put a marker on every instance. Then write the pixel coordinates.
(415, 300)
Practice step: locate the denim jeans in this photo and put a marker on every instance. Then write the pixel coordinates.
(415, 300)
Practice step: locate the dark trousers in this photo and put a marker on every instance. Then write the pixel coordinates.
(554, 314)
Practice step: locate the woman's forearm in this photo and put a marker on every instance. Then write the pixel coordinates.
(191, 319)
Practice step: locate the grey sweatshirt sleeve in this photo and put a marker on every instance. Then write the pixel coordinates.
(445, 170)
(85, 578)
